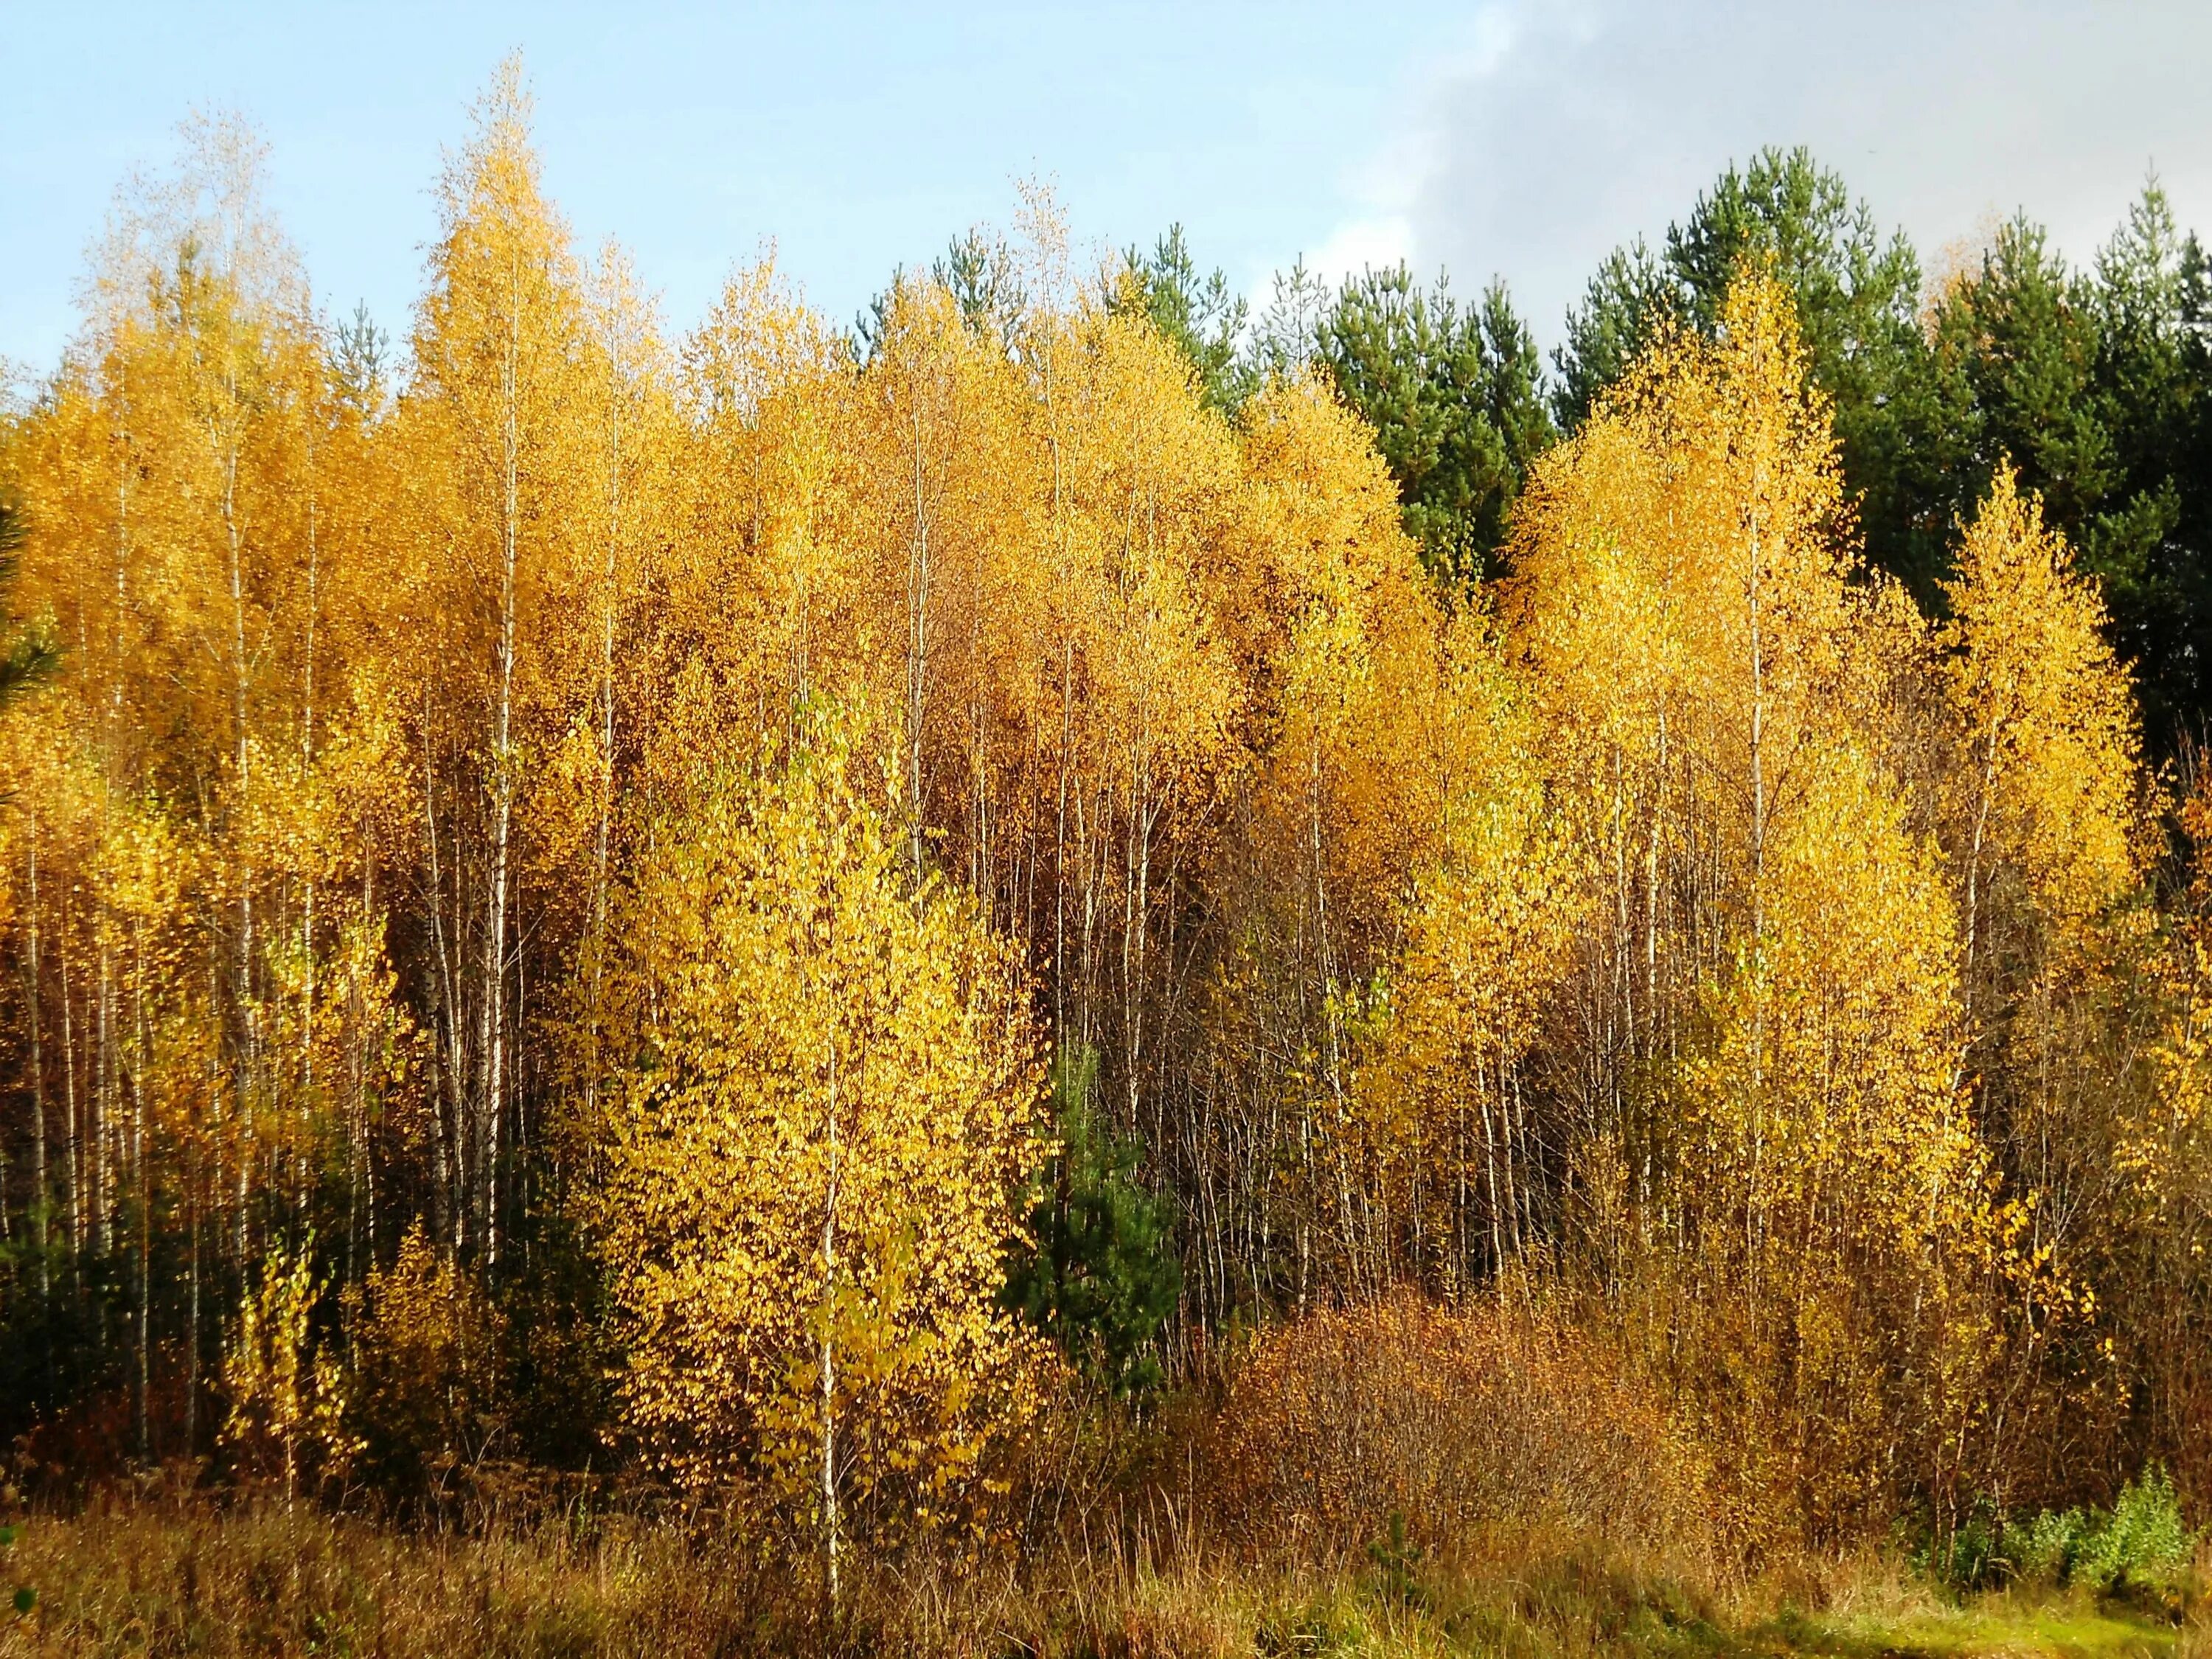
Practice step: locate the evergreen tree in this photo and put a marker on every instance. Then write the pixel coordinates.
(979, 276)
(1456, 400)
(1630, 296)
(1101, 1279)
(27, 655)
(1288, 332)
(360, 362)
(1199, 315)
(2092, 384)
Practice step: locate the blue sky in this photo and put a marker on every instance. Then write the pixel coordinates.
(1508, 135)
(856, 137)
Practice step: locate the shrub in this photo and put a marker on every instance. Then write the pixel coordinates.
(2042, 1551)
(1101, 1276)
(2141, 1545)
(287, 1390)
(1973, 1555)
(426, 1358)
(1453, 1420)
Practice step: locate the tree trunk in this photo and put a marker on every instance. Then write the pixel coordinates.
(829, 1516)
(40, 1190)
(492, 1106)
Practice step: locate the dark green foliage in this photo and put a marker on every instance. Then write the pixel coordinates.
(1970, 1555)
(1202, 318)
(1457, 402)
(26, 1598)
(977, 270)
(2016, 351)
(1102, 1276)
(1455, 397)
(557, 1360)
(2093, 385)
(1397, 1561)
(978, 273)
(27, 655)
(1630, 298)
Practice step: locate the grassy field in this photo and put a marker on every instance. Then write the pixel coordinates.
(169, 1577)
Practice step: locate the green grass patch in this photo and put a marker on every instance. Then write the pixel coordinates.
(1577, 1606)
(2061, 1629)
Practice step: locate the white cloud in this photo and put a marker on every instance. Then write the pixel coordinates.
(1566, 129)
(1357, 244)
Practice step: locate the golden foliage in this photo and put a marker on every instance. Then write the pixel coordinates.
(827, 1109)
(286, 1389)
(424, 1364)
(1781, 1086)
(446, 789)
(2050, 786)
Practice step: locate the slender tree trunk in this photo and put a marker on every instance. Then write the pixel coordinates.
(493, 1108)
(829, 1508)
(103, 1075)
(610, 577)
(246, 1067)
(1754, 1218)
(1974, 863)
(917, 637)
(41, 1192)
(73, 1168)
(306, 767)
(446, 1116)
(103, 1223)
(192, 1319)
(364, 1194)
(141, 1181)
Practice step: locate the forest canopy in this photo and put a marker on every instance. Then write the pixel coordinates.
(769, 905)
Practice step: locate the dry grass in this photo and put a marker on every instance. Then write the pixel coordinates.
(175, 1577)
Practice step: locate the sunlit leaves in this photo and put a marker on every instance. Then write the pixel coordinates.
(828, 1105)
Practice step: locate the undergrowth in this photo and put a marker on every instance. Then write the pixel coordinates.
(1396, 1480)
(2140, 1550)
(177, 1575)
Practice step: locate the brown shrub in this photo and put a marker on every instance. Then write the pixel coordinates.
(1460, 1421)
(425, 1384)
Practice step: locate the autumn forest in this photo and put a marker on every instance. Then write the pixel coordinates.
(1080, 931)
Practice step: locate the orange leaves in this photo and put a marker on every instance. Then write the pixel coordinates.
(1347, 653)
(287, 1390)
(2166, 1151)
(1637, 915)
(1454, 1420)
(1679, 571)
(1485, 917)
(1766, 1011)
(766, 581)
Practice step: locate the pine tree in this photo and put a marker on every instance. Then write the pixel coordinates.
(1455, 403)
(1097, 1274)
